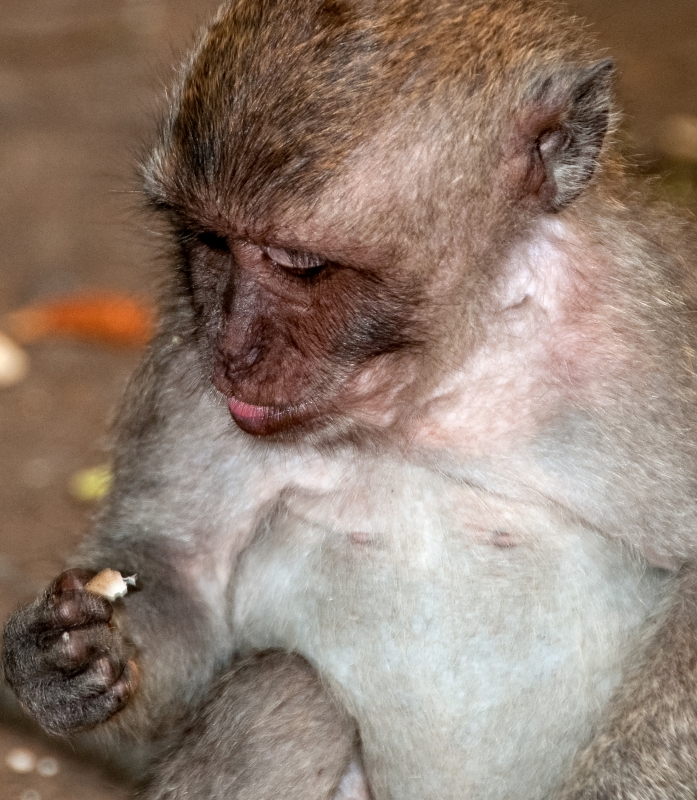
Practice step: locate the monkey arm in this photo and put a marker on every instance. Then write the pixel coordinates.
(646, 746)
(73, 658)
(174, 640)
(239, 744)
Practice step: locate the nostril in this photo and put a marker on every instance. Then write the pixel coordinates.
(252, 357)
(231, 365)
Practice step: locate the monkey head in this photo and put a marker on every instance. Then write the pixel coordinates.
(344, 179)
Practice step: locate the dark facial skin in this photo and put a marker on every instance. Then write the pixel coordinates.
(287, 327)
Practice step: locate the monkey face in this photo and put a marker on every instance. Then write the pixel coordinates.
(290, 332)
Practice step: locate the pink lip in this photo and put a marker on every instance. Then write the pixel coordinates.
(260, 420)
(248, 412)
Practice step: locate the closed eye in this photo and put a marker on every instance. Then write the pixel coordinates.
(303, 265)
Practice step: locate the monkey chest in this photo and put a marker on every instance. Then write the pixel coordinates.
(475, 642)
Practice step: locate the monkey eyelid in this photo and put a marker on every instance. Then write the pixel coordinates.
(293, 261)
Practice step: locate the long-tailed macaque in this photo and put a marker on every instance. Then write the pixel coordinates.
(408, 477)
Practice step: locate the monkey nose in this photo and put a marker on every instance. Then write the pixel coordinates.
(239, 361)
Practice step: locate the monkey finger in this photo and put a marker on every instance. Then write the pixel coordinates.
(71, 580)
(125, 686)
(74, 649)
(70, 609)
(85, 700)
(101, 675)
(110, 683)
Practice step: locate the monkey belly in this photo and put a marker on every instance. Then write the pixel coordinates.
(475, 649)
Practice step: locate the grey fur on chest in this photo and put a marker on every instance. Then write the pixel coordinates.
(483, 666)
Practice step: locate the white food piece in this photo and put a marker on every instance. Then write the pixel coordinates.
(47, 767)
(110, 584)
(19, 759)
(14, 362)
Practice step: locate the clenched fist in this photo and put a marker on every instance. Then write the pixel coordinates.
(65, 660)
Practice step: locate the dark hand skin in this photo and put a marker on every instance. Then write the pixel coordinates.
(65, 659)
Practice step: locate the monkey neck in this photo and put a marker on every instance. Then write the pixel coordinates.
(546, 335)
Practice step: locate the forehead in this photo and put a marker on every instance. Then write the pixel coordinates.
(279, 94)
(261, 113)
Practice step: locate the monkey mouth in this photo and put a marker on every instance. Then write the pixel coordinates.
(265, 420)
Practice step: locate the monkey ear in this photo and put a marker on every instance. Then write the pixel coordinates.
(560, 132)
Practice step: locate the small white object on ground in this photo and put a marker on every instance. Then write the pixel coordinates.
(30, 794)
(47, 767)
(20, 759)
(14, 362)
(110, 584)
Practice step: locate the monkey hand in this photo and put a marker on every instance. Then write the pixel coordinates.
(65, 660)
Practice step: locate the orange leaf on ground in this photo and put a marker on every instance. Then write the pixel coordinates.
(107, 317)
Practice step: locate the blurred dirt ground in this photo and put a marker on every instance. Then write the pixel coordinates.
(78, 86)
